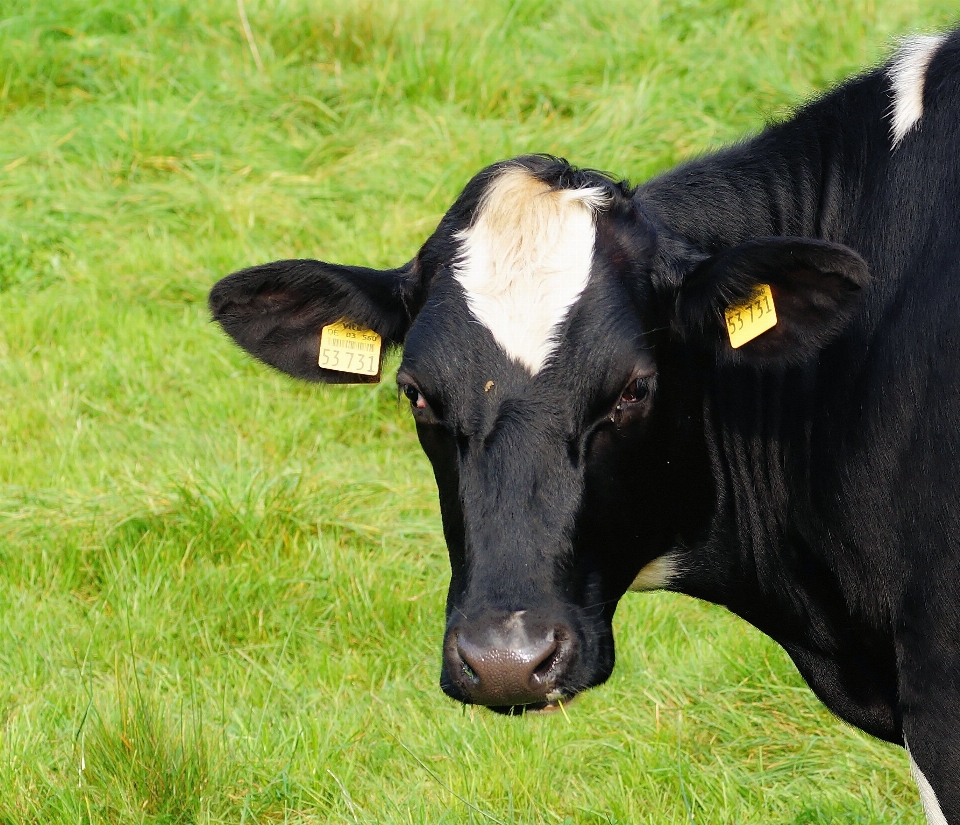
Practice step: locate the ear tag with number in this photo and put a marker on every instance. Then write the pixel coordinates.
(349, 347)
(751, 318)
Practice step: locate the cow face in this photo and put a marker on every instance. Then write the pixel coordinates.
(554, 353)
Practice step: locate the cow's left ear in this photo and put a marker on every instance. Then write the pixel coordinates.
(276, 311)
(814, 284)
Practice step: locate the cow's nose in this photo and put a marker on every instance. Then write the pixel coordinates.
(508, 663)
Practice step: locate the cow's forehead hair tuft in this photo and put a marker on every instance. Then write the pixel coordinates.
(526, 259)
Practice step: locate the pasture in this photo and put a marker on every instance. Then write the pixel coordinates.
(221, 591)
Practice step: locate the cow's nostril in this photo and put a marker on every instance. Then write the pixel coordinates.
(468, 671)
(458, 664)
(542, 670)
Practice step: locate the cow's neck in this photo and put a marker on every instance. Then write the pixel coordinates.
(771, 550)
(762, 541)
(763, 547)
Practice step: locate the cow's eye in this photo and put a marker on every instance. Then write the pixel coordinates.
(633, 403)
(414, 396)
(637, 390)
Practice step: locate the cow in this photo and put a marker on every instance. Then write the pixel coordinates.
(739, 380)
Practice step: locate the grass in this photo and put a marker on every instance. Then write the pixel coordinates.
(222, 591)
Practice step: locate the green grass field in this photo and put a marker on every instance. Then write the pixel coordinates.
(221, 591)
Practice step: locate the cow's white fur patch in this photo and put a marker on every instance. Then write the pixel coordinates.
(656, 574)
(526, 259)
(931, 806)
(908, 72)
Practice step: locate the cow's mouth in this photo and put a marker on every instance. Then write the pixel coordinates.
(553, 704)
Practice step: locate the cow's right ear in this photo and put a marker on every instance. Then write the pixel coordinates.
(276, 311)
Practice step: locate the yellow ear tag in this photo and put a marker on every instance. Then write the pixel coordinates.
(349, 347)
(751, 318)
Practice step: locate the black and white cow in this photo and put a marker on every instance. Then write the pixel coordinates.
(591, 428)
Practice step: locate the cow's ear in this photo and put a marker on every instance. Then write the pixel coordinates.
(276, 311)
(814, 287)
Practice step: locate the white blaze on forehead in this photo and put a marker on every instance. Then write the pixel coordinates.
(526, 259)
(908, 73)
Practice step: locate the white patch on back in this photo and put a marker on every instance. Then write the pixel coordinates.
(656, 574)
(526, 259)
(931, 806)
(908, 72)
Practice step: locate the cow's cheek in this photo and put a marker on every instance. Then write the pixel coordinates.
(441, 450)
(622, 519)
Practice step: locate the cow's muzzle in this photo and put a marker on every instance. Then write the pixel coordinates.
(508, 662)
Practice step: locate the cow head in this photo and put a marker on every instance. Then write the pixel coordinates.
(555, 342)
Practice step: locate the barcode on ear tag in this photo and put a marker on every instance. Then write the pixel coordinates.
(349, 347)
(751, 318)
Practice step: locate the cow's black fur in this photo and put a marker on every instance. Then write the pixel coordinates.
(809, 481)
